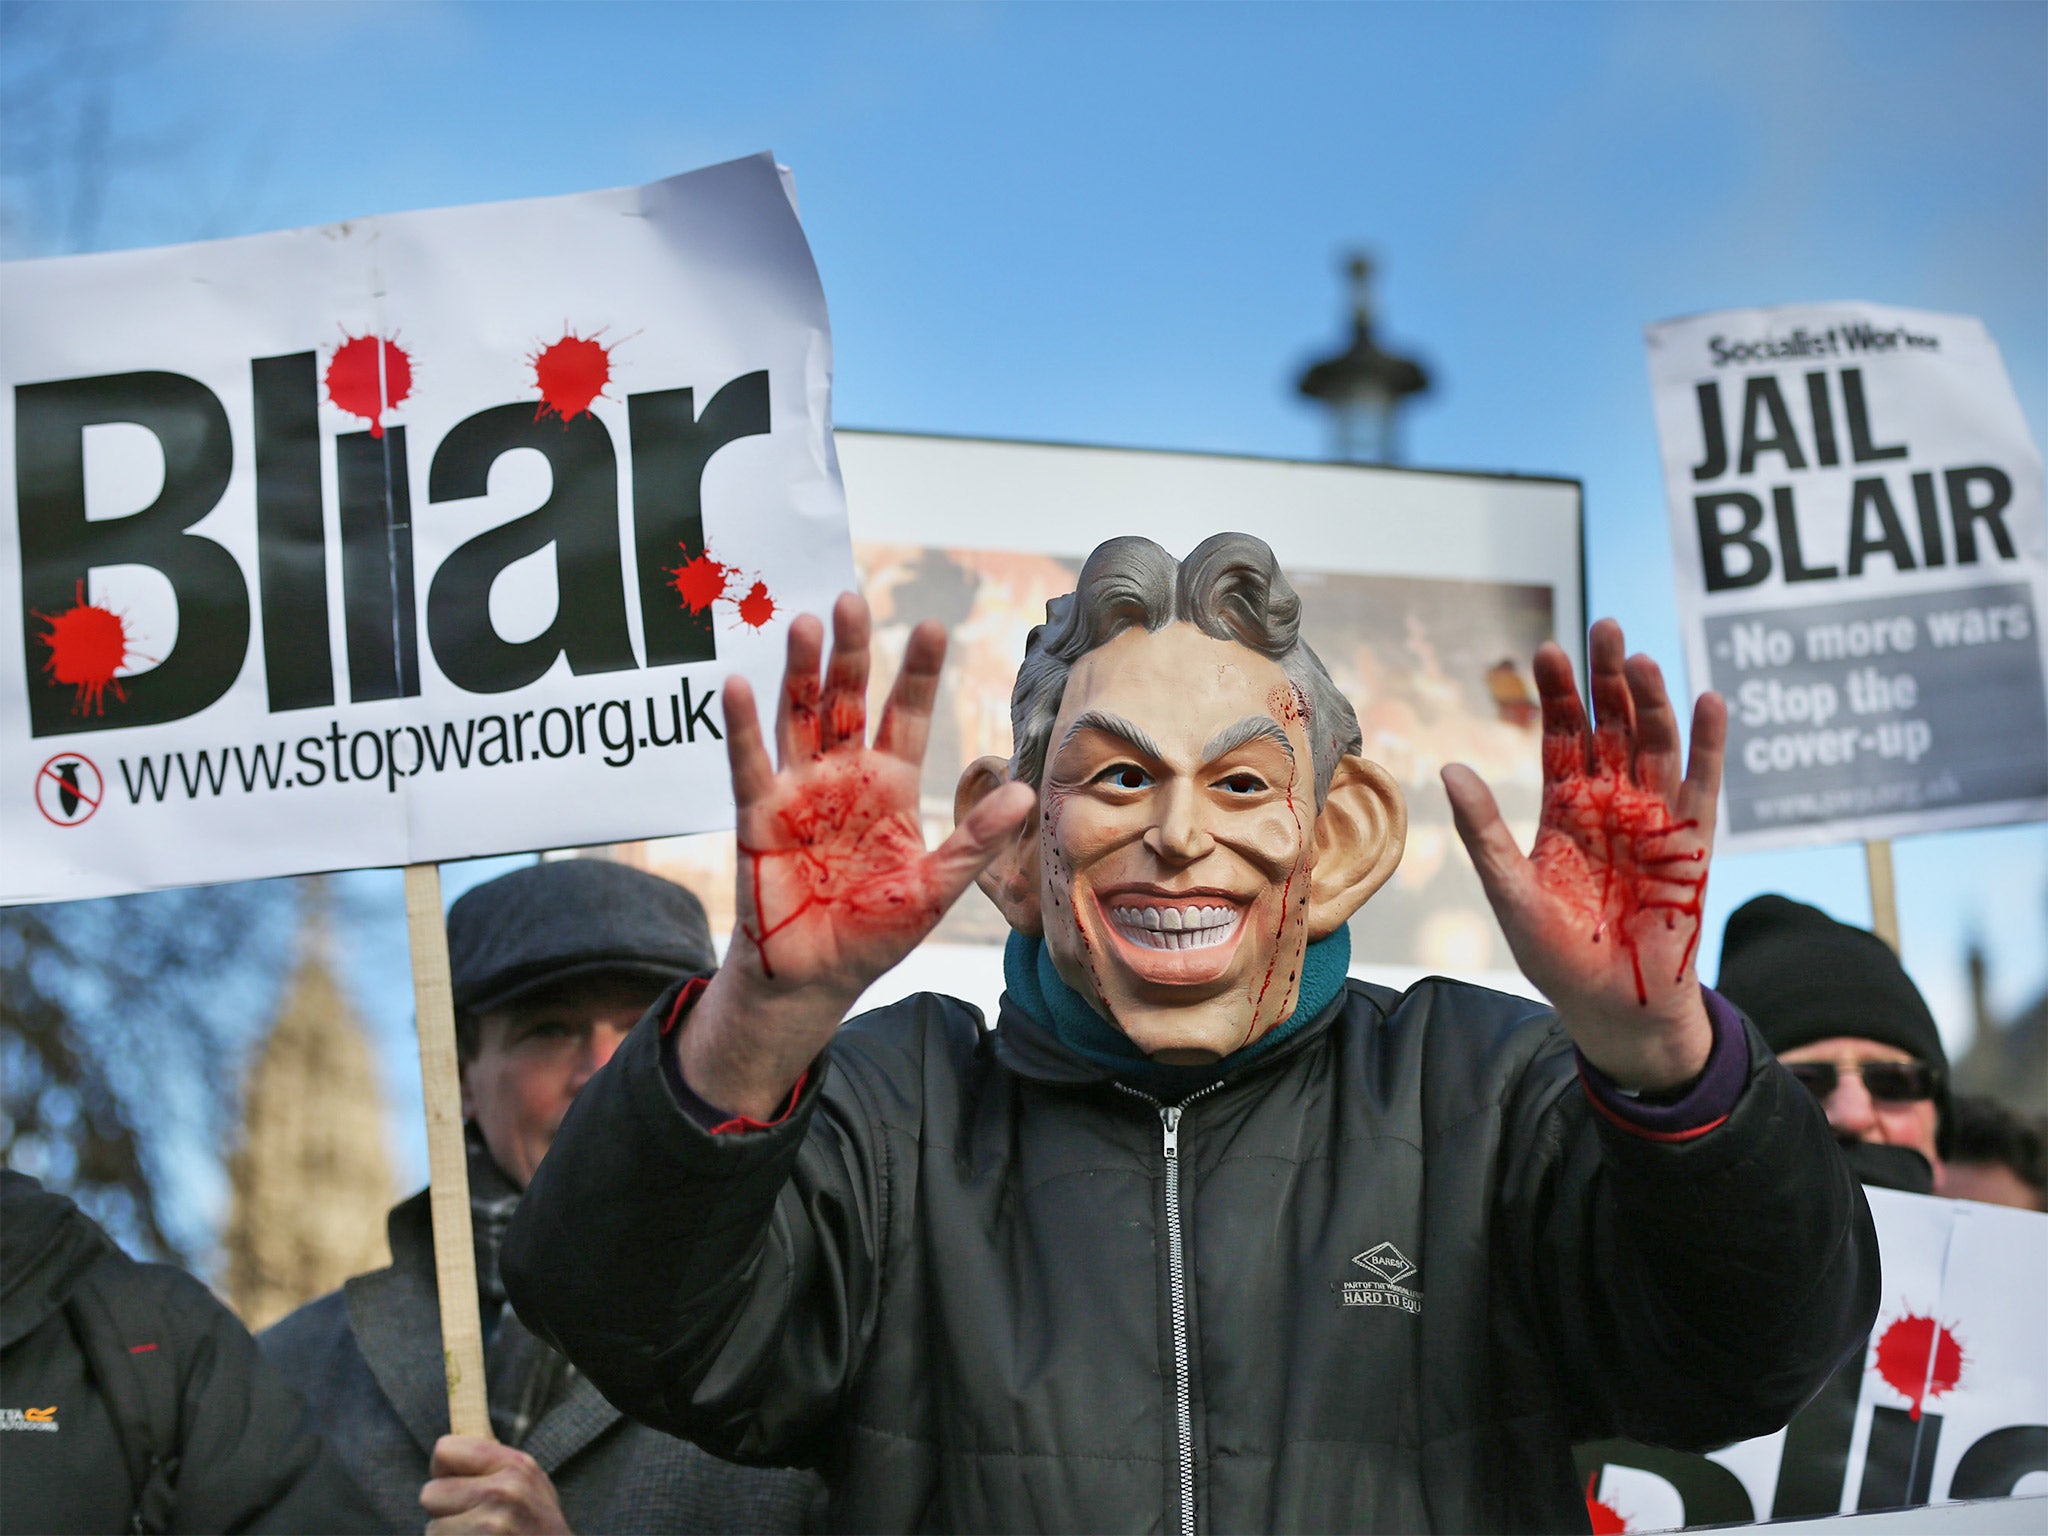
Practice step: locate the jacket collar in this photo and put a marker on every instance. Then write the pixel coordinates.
(1031, 1050)
(395, 1314)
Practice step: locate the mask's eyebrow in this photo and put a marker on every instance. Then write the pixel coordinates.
(1113, 725)
(1250, 728)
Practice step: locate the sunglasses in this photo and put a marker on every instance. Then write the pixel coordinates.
(1888, 1082)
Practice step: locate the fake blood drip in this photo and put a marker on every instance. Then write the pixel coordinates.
(1290, 706)
(1062, 878)
(88, 644)
(1918, 1359)
(702, 581)
(570, 374)
(368, 376)
(1602, 848)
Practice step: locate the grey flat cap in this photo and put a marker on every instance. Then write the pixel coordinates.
(572, 917)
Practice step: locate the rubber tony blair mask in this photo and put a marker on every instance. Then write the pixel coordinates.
(1204, 813)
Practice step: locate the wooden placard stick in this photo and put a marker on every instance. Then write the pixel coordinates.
(1884, 901)
(462, 1333)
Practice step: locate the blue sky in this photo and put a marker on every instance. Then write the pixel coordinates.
(1121, 224)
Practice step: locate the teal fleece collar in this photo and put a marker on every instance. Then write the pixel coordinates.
(1035, 987)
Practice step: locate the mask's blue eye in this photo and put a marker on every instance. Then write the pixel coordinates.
(1243, 784)
(1124, 776)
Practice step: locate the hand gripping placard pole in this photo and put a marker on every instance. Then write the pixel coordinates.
(462, 1335)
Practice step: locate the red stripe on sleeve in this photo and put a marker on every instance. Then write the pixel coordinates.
(1643, 1131)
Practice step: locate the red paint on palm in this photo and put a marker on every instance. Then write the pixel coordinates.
(367, 377)
(1919, 1360)
(570, 374)
(88, 644)
(1606, 1519)
(844, 848)
(1610, 850)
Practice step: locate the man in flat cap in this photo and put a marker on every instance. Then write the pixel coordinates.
(551, 965)
(1840, 1011)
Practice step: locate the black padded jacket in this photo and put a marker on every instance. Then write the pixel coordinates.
(1382, 1280)
(132, 1400)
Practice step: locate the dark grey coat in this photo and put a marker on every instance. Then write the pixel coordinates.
(368, 1360)
(1382, 1280)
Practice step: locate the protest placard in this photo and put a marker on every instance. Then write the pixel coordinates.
(406, 539)
(1856, 515)
(400, 540)
(1947, 1401)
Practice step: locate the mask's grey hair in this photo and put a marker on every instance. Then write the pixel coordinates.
(1231, 587)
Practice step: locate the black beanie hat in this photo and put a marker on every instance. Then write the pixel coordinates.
(1803, 977)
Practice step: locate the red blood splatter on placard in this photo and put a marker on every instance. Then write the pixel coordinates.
(570, 374)
(702, 580)
(757, 607)
(88, 644)
(848, 850)
(1918, 1360)
(1603, 846)
(357, 384)
(699, 581)
(1607, 1520)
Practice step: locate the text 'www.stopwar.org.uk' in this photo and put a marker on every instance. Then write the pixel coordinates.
(612, 731)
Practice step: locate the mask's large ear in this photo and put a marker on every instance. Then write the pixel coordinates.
(1011, 878)
(1360, 833)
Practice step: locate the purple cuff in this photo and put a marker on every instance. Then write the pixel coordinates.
(1703, 1104)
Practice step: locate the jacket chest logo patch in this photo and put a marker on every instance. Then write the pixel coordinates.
(1386, 1261)
(1391, 1266)
(44, 1419)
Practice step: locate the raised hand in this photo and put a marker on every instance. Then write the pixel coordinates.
(1604, 913)
(835, 885)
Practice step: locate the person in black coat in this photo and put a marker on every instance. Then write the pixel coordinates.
(1205, 1235)
(132, 1400)
(1838, 1009)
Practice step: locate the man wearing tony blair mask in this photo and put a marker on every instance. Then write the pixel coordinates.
(1204, 1235)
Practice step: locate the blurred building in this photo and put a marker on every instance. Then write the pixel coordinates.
(312, 1176)
(2008, 1057)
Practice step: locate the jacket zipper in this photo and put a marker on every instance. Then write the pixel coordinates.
(1177, 1297)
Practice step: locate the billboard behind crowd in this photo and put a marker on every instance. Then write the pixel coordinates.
(1424, 593)
(403, 539)
(1856, 514)
(1948, 1400)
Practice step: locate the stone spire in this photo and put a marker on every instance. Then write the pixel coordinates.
(312, 1177)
